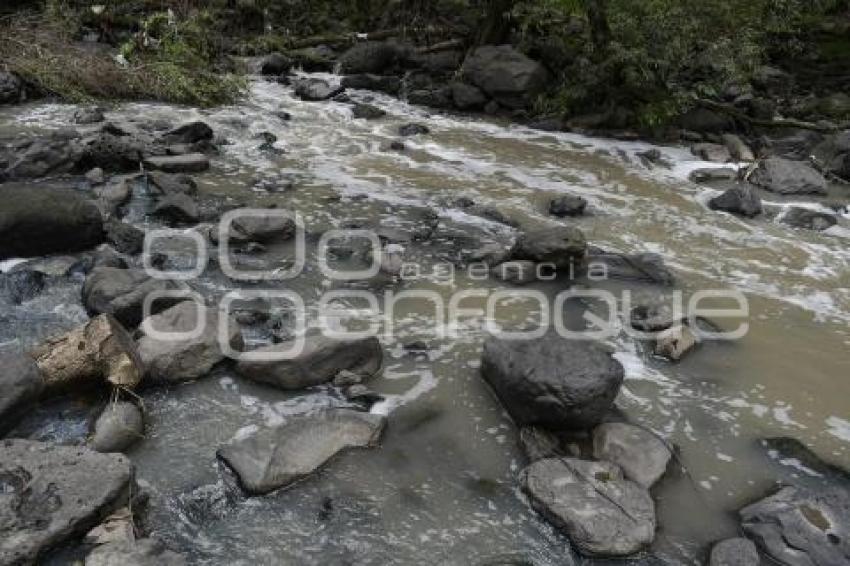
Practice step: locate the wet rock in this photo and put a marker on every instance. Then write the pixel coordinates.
(369, 57)
(379, 83)
(115, 528)
(314, 90)
(788, 177)
(95, 176)
(189, 163)
(142, 552)
(467, 97)
(171, 360)
(552, 382)
(41, 220)
(561, 246)
(11, 88)
(126, 238)
(800, 217)
(191, 133)
(800, 527)
(741, 200)
(642, 267)
(255, 228)
(320, 59)
(538, 443)
(121, 293)
(734, 552)
(709, 174)
(20, 386)
(739, 150)
(119, 426)
(413, 130)
(52, 493)
(177, 209)
(97, 353)
(711, 152)
(834, 154)
(603, 513)
(642, 456)
(275, 64)
(318, 362)
(391, 259)
(118, 151)
(276, 457)
(362, 395)
(345, 378)
(89, 115)
(704, 120)
(111, 197)
(519, 272)
(505, 74)
(675, 342)
(168, 184)
(20, 286)
(394, 145)
(436, 97)
(567, 205)
(367, 111)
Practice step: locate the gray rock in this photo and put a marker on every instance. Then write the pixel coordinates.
(711, 152)
(113, 149)
(370, 57)
(800, 217)
(53, 154)
(834, 154)
(734, 552)
(709, 174)
(119, 426)
(643, 267)
(20, 386)
(319, 361)
(798, 527)
(11, 88)
(167, 184)
(567, 205)
(313, 90)
(380, 83)
(22, 285)
(552, 382)
(89, 115)
(739, 150)
(704, 120)
(95, 176)
(519, 272)
(413, 130)
(367, 111)
(603, 513)
(189, 163)
(675, 342)
(560, 245)
(121, 293)
(538, 443)
(142, 552)
(191, 133)
(126, 238)
(742, 200)
(276, 457)
(467, 97)
(41, 220)
(438, 96)
(788, 177)
(505, 74)
(319, 59)
(177, 360)
(111, 197)
(177, 208)
(53, 493)
(642, 456)
(275, 64)
(256, 228)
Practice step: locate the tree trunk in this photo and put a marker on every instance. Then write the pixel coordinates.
(496, 27)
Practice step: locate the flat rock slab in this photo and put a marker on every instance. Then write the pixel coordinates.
(641, 454)
(188, 163)
(50, 493)
(277, 457)
(142, 552)
(603, 513)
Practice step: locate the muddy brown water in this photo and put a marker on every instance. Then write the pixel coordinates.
(441, 489)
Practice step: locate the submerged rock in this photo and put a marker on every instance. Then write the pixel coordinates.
(190, 133)
(603, 513)
(122, 292)
(800, 217)
(561, 246)
(20, 386)
(644, 267)
(119, 426)
(800, 527)
(99, 352)
(171, 360)
(89, 115)
(742, 200)
(413, 130)
(367, 112)
(41, 220)
(51, 493)
(642, 456)
(142, 552)
(734, 552)
(552, 381)
(567, 205)
(318, 362)
(276, 457)
(505, 74)
(20, 286)
(314, 90)
(787, 177)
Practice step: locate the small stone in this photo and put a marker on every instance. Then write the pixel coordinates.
(413, 130)
(95, 176)
(119, 426)
(734, 552)
(567, 205)
(675, 342)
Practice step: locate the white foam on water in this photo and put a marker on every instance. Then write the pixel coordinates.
(839, 428)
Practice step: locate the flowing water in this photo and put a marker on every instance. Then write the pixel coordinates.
(442, 487)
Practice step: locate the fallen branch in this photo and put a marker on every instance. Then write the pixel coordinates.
(778, 123)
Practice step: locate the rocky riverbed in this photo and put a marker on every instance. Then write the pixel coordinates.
(433, 442)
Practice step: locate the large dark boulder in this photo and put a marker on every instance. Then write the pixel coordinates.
(468, 97)
(834, 154)
(275, 64)
(54, 154)
(788, 177)
(366, 81)
(741, 200)
(559, 245)
(505, 74)
(552, 381)
(191, 133)
(20, 386)
(122, 292)
(437, 96)
(39, 220)
(313, 90)
(50, 494)
(371, 57)
(11, 88)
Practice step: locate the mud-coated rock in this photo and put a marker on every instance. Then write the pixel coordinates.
(142, 552)
(119, 426)
(122, 292)
(20, 386)
(642, 456)
(741, 200)
(39, 220)
(49, 494)
(172, 360)
(788, 177)
(561, 246)
(276, 457)
(800, 527)
(601, 512)
(505, 74)
(734, 552)
(318, 362)
(552, 381)
(99, 352)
